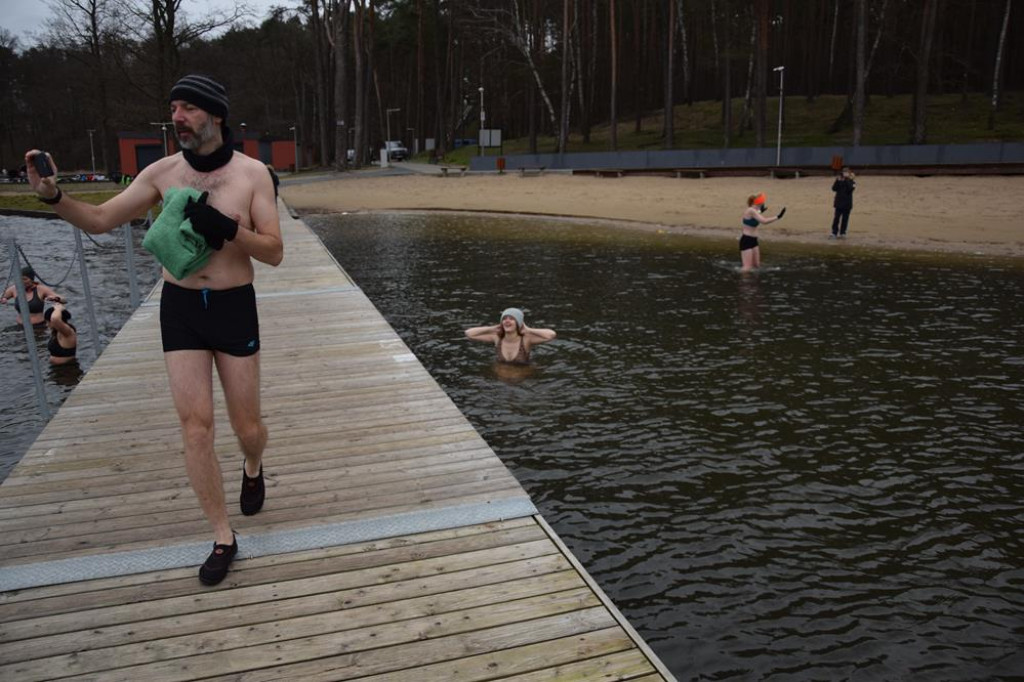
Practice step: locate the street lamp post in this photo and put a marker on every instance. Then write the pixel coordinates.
(295, 138)
(163, 129)
(483, 119)
(92, 153)
(782, 93)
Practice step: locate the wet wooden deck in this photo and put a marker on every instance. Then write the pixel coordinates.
(394, 545)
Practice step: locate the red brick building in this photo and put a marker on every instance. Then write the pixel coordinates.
(138, 150)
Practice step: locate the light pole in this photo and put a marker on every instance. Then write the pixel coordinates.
(92, 153)
(163, 128)
(483, 119)
(295, 137)
(782, 92)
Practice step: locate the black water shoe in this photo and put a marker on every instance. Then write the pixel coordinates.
(253, 492)
(216, 567)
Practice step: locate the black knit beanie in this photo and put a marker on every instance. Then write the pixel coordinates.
(204, 92)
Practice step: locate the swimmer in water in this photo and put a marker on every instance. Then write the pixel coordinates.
(512, 339)
(35, 293)
(750, 252)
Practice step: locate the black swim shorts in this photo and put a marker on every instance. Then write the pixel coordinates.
(747, 242)
(207, 319)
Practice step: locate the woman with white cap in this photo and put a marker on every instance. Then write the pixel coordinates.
(512, 339)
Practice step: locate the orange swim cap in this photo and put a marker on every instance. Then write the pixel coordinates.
(760, 199)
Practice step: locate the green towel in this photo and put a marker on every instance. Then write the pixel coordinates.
(171, 238)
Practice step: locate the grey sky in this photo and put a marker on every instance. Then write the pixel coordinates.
(24, 18)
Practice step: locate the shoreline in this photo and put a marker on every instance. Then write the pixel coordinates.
(940, 215)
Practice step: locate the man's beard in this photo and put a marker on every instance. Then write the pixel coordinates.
(200, 136)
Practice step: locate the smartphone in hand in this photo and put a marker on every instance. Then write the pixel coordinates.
(43, 165)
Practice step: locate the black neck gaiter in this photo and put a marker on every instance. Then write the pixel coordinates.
(220, 156)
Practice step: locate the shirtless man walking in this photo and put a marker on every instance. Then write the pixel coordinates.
(209, 317)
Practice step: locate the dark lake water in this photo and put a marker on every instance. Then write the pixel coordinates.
(50, 247)
(815, 472)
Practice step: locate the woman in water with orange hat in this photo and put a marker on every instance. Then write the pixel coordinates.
(750, 252)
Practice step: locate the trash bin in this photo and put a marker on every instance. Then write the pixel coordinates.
(837, 162)
(501, 164)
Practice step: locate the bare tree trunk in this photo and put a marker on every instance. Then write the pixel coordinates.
(421, 78)
(685, 49)
(832, 45)
(341, 28)
(919, 133)
(717, 52)
(670, 111)
(563, 127)
(359, 48)
(860, 8)
(726, 72)
(535, 43)
(997, 70)
(746, 119)
(761, 120)
(967, 53)
(614, 111)
(639, 28)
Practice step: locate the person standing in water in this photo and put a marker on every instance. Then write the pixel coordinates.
(750, 251)
(63, 342)
(512, 339)
(35, 292)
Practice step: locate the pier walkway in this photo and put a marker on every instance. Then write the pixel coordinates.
(394, 544)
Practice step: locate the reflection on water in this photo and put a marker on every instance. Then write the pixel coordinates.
(50, 247)
(812, 472)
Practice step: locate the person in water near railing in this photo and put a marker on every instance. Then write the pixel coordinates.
(750, 252)
(35, 293)
(63, 343)
(512, 339)
(208, 317)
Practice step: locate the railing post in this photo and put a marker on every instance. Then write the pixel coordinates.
(30, 338)
(93, 327)
(129, 257)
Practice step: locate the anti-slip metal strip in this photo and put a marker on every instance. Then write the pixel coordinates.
(251, 546)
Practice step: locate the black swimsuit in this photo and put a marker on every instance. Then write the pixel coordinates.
(35, 304)
(59, 351)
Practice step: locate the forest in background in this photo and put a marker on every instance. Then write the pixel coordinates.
(346, 72)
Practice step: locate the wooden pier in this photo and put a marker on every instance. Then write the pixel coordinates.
(394, 544)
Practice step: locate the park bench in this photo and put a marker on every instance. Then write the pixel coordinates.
(783, 173)
(460, 169)
(690, 173)
(531, 170)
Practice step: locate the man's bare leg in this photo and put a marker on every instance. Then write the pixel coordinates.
(191, 377)
(240, 378)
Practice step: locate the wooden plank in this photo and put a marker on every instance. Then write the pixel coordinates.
(360, 432)
(603, 654)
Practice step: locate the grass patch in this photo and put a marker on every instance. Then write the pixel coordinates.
(806, 123)
(27, 201)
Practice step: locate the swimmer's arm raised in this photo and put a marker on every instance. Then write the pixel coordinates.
(489, 333)
(133, 202)
(538, 336)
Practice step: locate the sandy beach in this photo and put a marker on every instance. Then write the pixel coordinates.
(945, 214)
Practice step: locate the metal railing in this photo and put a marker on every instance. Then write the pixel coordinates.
(17, 254)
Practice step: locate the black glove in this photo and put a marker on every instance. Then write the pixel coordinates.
(215, 227)
(781, 213)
